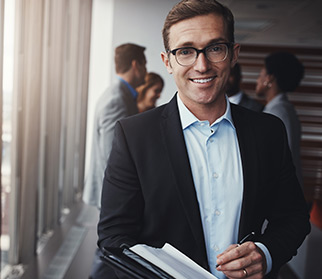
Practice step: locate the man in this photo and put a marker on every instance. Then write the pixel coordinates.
(201, 173)
(117, 102)
(237, 96)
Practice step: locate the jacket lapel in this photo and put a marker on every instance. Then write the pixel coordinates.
(177, 152)
(247, 146)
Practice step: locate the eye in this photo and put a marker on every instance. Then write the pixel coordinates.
(186, 51)
(216, 48)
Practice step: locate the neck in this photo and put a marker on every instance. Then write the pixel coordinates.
(128, 78)
(272, 92)
(210, 112)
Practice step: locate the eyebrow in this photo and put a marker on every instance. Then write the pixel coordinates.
(213, 41)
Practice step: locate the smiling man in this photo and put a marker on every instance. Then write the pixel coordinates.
(201, 173)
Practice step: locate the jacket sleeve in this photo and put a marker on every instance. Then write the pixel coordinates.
(287, 211)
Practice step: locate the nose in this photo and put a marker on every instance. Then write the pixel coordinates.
(202, 63)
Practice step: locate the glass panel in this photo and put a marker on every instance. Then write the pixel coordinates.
(6, 126)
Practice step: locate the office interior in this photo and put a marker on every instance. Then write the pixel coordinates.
(57, 58)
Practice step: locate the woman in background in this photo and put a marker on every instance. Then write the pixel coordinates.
(281, 75)
(149, 92)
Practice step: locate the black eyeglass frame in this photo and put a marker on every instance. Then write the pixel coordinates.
(198, 51)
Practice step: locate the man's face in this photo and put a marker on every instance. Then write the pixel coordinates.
(140, 72)
(261, 83)
(204, 82)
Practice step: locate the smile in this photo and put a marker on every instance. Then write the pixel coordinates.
(202, 80)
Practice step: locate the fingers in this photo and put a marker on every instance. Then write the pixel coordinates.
(252, 272)
(231, 247)
(234, 252)
(244, 261)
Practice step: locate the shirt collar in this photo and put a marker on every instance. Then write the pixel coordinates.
(235, 99)
(187, 118)
(132, 90)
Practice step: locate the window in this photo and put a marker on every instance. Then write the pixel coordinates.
(7, 89)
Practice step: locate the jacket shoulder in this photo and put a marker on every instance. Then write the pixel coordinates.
(259, 121)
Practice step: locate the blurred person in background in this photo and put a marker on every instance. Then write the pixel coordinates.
(117, 101)
(236, 95)
(149, 92)
(282, 74)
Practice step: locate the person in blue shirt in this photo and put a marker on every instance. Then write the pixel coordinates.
(117, 101)
(201, 173)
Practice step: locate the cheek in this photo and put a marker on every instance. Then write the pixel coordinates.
(225, 77)
(149, 95)
(259, 87)
(180, 72)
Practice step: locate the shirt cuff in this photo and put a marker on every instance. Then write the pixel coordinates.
(267, 256)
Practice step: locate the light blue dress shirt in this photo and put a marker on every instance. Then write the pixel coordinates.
(132, 90)
(216, 166)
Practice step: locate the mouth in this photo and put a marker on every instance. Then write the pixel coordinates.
(202, 80)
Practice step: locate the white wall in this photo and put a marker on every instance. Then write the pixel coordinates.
(101, 55)
(141, 22)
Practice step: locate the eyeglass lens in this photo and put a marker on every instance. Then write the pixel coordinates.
(214, 53)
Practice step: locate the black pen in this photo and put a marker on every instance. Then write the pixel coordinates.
(244, 239)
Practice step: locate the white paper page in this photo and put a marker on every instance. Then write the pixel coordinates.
(173, 262)
(188, 262)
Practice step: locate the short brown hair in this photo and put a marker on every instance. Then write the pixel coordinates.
(186, 9)
(125, 54)
(150, 80)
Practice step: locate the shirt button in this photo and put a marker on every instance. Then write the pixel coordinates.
(217, 212)
(215, 175)
(216, 248)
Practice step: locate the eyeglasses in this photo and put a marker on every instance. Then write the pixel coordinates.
(186, 56)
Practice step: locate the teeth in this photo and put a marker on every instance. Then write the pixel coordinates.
(203, 80)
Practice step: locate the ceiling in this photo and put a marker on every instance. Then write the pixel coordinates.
(277, 22)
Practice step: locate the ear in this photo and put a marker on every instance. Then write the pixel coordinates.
(271, 78)
(134, 64)
(236, 49)
(166, 61)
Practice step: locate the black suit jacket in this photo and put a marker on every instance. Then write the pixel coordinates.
(250, 103)
(149, 195)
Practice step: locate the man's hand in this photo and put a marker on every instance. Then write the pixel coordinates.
(242, 261)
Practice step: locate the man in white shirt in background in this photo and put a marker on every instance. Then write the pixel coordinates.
(236, 95)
